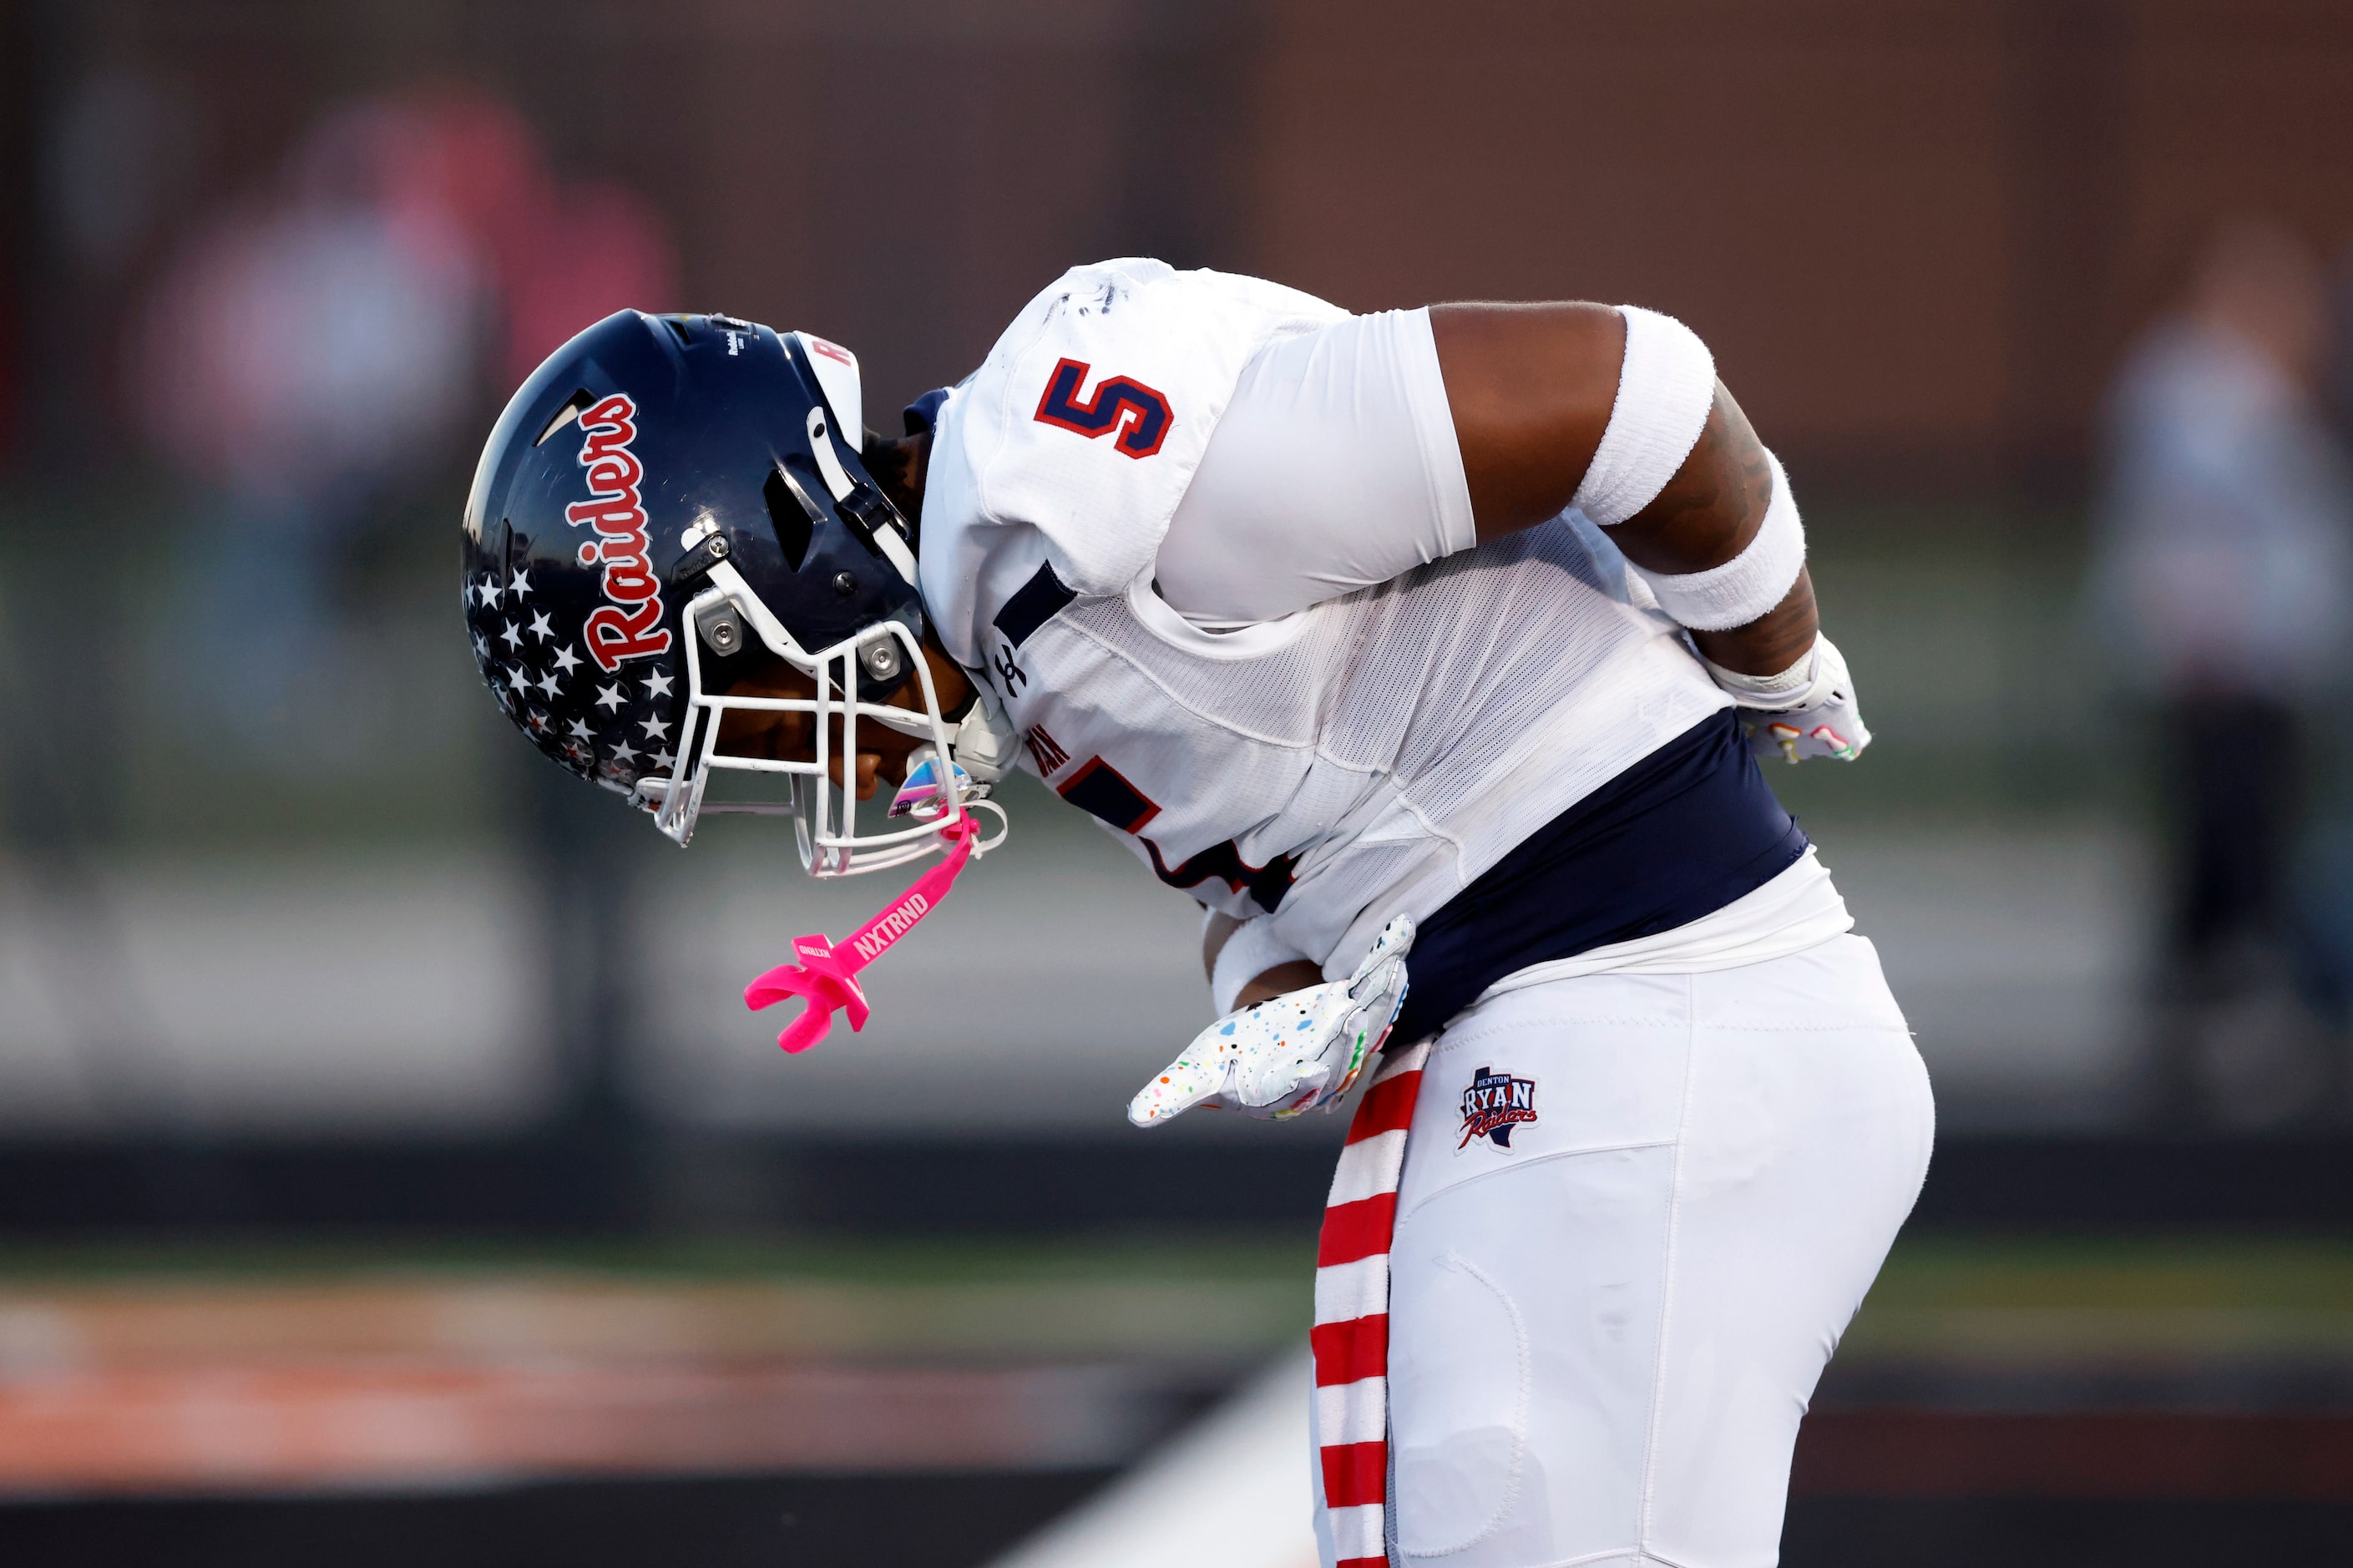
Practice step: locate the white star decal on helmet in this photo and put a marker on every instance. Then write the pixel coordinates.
(609, 697)
(539, 627)
(662, 760)
(482, 647)
(565, 659)
(521, 585)
(547, 683)
(658, 684)
(517, 678)
(625, 753)
(581, 731)
(654, 729)
(489, 592)
(511, 640)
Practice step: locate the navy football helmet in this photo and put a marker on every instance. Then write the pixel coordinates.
(663, 497)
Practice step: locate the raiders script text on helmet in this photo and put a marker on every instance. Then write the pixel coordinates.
(630, 626)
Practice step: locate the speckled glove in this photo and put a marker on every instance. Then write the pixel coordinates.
(1807, 711)
(1291, 1053)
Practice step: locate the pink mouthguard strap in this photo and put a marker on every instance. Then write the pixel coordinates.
(823, 977)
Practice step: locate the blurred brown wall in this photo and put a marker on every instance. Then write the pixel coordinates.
(1916, 231)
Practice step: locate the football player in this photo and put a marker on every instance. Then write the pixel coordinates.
(1431, 651)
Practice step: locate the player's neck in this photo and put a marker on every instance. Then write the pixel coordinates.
(898, 466)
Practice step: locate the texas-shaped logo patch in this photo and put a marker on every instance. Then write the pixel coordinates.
(1494, 1104)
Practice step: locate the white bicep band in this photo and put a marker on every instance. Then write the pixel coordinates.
(1251, 952)
(1750, 585)
(1666, 385)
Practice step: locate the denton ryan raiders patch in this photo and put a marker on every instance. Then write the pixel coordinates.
(1494, 1104)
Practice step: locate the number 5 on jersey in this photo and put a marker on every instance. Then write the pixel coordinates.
(1140, 415)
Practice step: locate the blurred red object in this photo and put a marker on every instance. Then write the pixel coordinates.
(331, 327)
(562, 255)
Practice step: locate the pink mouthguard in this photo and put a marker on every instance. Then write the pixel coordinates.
(823, 977)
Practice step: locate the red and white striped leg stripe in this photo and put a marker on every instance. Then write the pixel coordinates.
(1352, 1311)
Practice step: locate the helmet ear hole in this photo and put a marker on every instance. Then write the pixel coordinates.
(789, 517)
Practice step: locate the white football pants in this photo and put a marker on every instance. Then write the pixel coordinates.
(1605, 1328)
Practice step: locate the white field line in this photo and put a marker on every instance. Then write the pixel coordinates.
(1233, 1490)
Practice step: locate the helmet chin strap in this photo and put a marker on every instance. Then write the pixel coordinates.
(825, 978)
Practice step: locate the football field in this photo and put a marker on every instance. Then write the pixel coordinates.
(935, 1401)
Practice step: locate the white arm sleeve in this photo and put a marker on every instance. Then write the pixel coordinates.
(1334, 468)
(1251, 952)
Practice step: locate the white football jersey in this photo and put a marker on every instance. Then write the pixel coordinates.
(1367, 756)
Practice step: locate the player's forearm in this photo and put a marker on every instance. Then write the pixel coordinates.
(1711, 508)
(1708, 514)
(1772, 643)
(1619, 413)
(1721, 539)
(1561, 404)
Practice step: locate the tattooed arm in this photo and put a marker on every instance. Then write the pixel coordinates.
(1532, 386)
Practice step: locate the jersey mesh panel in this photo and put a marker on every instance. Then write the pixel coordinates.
(1401, 741)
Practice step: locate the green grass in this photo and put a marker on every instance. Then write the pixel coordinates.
(2307, 1274)
(1991, 1301)
(1243, 1259)
(1211, 1302)
(2052, 1302)
(2311, 1274)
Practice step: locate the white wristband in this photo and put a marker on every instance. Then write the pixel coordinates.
(1666, 385)
(1251, 952)
(1771, 693)
(1749, 585)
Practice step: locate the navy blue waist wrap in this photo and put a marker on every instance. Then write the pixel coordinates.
(1679, 835)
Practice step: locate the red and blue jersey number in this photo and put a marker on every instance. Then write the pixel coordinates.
(1139, 414)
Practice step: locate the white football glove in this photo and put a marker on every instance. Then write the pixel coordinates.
(1291, 1053)
(1807, 711)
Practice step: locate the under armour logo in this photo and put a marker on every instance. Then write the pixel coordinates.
(1013, 675)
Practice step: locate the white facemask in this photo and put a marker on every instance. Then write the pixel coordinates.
(834, 840)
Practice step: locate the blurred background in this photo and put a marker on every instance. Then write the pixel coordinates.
(365, 1193)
